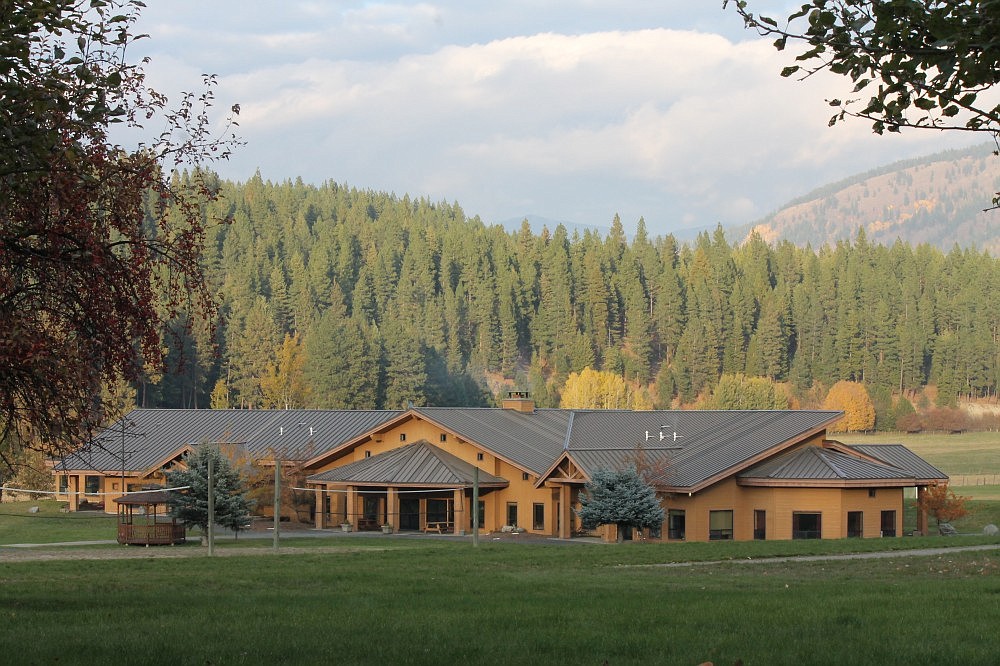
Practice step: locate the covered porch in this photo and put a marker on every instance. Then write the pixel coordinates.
(418, 487)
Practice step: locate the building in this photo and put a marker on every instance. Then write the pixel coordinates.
(720, 474)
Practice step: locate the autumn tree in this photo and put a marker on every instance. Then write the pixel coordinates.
(100, 246)
(259, 471)
(941, 502)
(852, 398)
(594, 389)
(741, 392)
(913, 64)
(284, 385)
(619, 498)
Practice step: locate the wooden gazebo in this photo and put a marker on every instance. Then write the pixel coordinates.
(143, 520)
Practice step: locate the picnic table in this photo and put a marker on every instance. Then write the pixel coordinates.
(439, 526)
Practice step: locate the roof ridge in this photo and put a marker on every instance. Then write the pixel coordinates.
(822, 453)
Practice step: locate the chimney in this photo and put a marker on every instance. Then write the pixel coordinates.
(519, 401)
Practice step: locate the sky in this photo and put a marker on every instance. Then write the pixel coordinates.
(569, 111)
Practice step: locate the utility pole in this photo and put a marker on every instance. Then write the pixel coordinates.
(475, 507)
(277, 500)
(211, 509)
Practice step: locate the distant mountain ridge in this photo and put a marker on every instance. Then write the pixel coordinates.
(938, 200)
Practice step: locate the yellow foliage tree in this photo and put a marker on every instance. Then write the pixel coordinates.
(284, 383)
(852, 398)
(594, 389)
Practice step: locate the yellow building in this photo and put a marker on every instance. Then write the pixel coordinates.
(719, 474)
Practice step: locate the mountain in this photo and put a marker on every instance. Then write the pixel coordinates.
(537, 222)
(937, 200)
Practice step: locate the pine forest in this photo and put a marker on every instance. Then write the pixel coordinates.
(335, 297)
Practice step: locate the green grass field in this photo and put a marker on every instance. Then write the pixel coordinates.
(394, 601)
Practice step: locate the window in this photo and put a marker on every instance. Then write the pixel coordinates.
(479, 456)
(871, 492)
(759, 524)
(63, 483)
(368, 454)
(538, 516)
(807, 525)
(444, 437)
(402, 436)
(512, 514)
(92, 485)
(855, 524)
(888, 523)
(720, 525)
(675, 524)
(524, 476)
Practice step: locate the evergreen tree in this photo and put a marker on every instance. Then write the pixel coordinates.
(619, 498)
(232, 510)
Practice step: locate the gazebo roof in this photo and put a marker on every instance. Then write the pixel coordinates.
(146, 497)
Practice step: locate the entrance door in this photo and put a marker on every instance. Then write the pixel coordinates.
(759, 524)
(888, 523)
(409, 513)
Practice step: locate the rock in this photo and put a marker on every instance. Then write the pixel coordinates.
(946, 529)
(33, 509)
(991, 530)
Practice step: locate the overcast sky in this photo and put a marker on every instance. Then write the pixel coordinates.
(571, 111)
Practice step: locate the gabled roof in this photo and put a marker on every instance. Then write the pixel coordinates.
(530, 440)
(903, 458)
(697, 448)
(416, 464)
(153, 437)
(818, 464)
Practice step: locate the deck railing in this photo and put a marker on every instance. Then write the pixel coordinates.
(152, 535)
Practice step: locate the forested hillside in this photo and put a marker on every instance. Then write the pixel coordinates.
(937, 200)
(337, 297)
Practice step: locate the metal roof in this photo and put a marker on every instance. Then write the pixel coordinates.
(161, 496)
(531, 440)
(698, 445)
(416, 464)
(810, 463)
(150, 437)
(903, 458)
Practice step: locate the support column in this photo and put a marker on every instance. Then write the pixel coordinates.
(352, 507)
(565, 511)
(73, 486)
(392, 507)
(458, 511)
(320, 508)
(921, 513)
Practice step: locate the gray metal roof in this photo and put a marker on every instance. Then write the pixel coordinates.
(814, 463)
(707, 443)
(416, 464)
(530, 440)
(151, 436)
(903, 458)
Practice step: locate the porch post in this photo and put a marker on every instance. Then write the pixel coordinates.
(352, 507)
(566, 511)
(391, 507)
(320, 507)
(74, 492)
(458, 510)
(921, 513)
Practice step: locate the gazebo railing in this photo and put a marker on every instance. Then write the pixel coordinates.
(152, 534)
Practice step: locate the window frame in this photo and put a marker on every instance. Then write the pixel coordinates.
(723, 533)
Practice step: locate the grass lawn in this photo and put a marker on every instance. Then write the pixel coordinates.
(394, 601)
(50, 525)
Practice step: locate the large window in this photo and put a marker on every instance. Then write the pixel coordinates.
(855, 524)
(92, 485)
(512, 514)
(720, 525)
(675, 524)
(888, 523)
(63, 483)
(807, 525)
(538, 516)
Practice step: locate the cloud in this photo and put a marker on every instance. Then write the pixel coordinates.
(680, 126)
